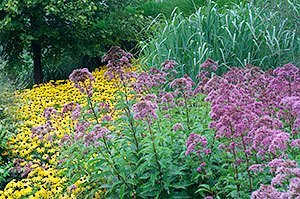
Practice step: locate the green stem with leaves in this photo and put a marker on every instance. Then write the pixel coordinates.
(155, 151)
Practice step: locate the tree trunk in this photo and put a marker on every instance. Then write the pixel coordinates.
(37, 62)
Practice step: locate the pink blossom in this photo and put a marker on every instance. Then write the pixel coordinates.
(145, 109)
(194, 140)
(296, 143)
(178, 127)
(79, 77)
(168, 65)
(209, 63)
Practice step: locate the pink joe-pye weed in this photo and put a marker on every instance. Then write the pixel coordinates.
(118, 63)
(145, 109)
(183, 85)
(80, 78)
(195, 143)
(145, 81)
(284, 184)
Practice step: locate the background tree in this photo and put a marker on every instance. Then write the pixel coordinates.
(45, 28)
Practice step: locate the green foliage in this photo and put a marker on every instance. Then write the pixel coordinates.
(77, 39)
(52, 23)
(288, 11)
(128, 167)
(56, 27)
(187, 7)
(120, 28)
(236, 36)
(7, 127)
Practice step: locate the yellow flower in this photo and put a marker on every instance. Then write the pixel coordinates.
(45, 180)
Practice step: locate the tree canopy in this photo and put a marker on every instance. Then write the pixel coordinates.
(44, 28)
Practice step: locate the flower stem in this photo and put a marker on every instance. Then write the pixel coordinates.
(155, 152)
(236, 172)
(247, 163)
(187, 111)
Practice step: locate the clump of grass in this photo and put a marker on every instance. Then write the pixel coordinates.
(235, 36)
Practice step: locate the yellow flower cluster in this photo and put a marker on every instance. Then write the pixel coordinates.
(45, 179)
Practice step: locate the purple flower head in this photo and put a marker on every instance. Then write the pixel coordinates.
(209, 63)
(294, 187)
(118, 61)
(143, 82)
(288, 72)
(145, 109)
(279, 142)
(286, 179)
(106, 118)
(158, 77)
(168, 65)
(83, 80)
(199, 169)
(48, 112)
(81, 127)
(68, 107)
(76, 112)
(66, 140)
(72, 188)
(116, 55)
(193, 140)
(266, 192)
(92, 138)
(167, 97)
(203, 75)
(149, 97)
(184, 85)
(269, 140)
(168, 116)
(146, 80)
(296, 126)
(178, 127)
(295, 143)
(257, 167)
(42, 131)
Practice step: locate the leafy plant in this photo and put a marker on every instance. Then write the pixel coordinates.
(235, 36)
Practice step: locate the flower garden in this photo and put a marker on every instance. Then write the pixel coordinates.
(206, 105)
(123, 133)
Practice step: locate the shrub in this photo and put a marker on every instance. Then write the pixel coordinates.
(236, 36)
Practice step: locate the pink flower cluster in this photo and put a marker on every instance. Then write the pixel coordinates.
(258, 114)
(245, 103)
(93, 137)
(147, 80)
(145, 109)
(196, 143)
(79, 77)
(42, 131)
(118, 61)
(183, 86)
(287, 176)
(23, 170)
